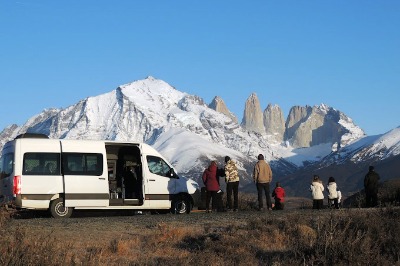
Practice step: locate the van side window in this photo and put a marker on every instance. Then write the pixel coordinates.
(158, 166)
(6, 165)
(36, 163)
(83, 164)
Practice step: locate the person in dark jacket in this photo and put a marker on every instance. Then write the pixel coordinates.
(371, 187)
(211, 183)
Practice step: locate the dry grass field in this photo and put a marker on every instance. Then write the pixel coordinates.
(295, 236)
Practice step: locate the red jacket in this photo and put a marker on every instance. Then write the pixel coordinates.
(279, 193)
(210, 178)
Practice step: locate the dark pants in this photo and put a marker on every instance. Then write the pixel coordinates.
(260, 188)
(318, 204)
(279, 205)
(333, 202)
(371, 198)
(232, 188)
(212, 196)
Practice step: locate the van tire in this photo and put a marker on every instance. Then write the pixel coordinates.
(58, 210)
(181, 205)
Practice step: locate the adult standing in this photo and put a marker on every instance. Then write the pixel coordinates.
(130, 182)
(371, 187)
(212, 186)
(262, 176)
(317, 193)
(232, 184)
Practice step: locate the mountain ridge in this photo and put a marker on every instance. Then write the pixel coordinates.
(190, 132)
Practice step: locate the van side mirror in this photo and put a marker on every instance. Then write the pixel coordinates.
(171, 173)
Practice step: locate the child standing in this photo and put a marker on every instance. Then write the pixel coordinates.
(279, 195)
(333, 196)
(316, 190)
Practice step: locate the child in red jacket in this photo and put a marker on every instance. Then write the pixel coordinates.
(279, 195)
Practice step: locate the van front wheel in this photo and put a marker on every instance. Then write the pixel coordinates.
(58, 210)
(180, 205)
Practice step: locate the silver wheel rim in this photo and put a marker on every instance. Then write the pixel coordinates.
(181, 206)
(60, 209)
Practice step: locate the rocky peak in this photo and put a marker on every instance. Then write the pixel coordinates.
(274, 122)
(309, 126)
(297, 115)
(253, 116)
(218, 105)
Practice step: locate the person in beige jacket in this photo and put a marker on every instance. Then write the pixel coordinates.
(232, 184)
(262, 176)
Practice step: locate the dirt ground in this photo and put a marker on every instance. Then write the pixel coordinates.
(99, 226)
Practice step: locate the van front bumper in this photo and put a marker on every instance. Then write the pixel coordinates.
(196, 196)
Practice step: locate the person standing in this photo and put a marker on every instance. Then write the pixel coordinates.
(371, 187)
(212, 186)
(317, 193)
(130, 182)
(279, 195)
(332, 193)
(232, 184)
(262, 176)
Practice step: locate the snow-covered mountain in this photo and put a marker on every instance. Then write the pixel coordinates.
(350, 164)
(374, 148)
(190, 132)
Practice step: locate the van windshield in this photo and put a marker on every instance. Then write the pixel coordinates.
(6, 165)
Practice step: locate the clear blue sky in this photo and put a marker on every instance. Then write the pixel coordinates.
(343, 53)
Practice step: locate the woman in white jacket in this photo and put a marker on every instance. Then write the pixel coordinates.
(317, 193)
(333, 193)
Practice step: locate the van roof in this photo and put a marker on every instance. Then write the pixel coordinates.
(31, 135)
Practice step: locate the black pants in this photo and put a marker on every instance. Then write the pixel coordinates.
(279, 205)
(260, 188)
(216, 200)
(212, 196)
(371, 198)
(232, 188)
(333, 202)
(318, 204)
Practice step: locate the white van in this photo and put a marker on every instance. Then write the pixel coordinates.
(63, 175)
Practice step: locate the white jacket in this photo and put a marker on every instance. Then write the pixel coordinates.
(316, 190)
(332, 189)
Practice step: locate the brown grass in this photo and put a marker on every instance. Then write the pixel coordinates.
(304, 237)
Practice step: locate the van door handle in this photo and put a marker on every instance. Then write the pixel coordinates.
(102, 178)
(152, 180)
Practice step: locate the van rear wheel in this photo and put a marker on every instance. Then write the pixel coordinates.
(58, 210)
(180, 205)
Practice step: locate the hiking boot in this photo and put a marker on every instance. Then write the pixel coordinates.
(261, 209)
(235, 210)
